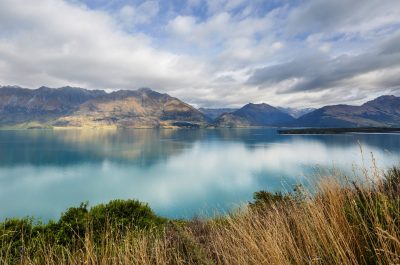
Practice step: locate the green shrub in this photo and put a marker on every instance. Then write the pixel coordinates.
(15, 233)
(75, 223)
(72, 224)
(268, 199)
(124, 214)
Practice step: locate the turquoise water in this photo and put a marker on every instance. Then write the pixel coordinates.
(180, 173)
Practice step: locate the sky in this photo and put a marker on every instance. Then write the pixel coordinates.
(209, 53)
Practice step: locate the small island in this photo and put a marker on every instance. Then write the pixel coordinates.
(340, 130)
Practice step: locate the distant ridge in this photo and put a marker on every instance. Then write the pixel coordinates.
(383, 111)
(295, 112)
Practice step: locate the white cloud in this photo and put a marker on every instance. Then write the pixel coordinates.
(132, 15)
(345, 16)
(182, 25)
(205, 58)
(55, 43)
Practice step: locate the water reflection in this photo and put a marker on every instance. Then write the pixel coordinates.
(179, 172)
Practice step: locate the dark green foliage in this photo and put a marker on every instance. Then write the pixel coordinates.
(130, 213)
(72, 224)
(19, 237)
(16, 232)
(268, 199)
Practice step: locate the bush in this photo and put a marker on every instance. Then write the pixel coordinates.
(268, 199)
(74, 224)
(16, 233)
(124, 214)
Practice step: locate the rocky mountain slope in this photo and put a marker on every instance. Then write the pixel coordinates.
(76, 107)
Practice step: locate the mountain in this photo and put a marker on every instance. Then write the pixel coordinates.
(145, 108)
(212, 114)
(255, 115)
(77, 107)
(383, 111)
(295, 112)
(18, 105)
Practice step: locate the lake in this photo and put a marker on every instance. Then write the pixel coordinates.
(180, 173)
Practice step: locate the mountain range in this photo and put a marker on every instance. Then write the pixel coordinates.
(144, 108)
(383, 111)
(77, 107)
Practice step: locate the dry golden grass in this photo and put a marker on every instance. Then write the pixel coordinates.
(344, 222)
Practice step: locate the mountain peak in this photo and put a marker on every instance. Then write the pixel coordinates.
(259, 106)
(253, 114)
(383, 99)
(145, 90)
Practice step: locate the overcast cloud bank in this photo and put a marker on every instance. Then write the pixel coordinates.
(209, 53)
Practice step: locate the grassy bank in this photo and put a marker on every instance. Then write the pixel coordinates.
(344, 222)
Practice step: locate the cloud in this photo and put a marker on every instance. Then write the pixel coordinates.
(319, 71)
(215, 6)
(141, 14)
(345, 16)
(209, 53)
(207, 33)
(54, 43)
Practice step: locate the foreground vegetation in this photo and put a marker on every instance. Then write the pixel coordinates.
(343, 222)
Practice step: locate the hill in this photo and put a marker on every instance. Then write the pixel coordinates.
(255, 115)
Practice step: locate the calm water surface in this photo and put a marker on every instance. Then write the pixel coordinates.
(180, 173)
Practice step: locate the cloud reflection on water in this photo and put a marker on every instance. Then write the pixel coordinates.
(179, 173)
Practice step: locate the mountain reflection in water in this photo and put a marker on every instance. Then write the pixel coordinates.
(180, 173)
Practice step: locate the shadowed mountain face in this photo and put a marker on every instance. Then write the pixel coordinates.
(380, 112)
(213, 113)
(76, 107)
(255, 115)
